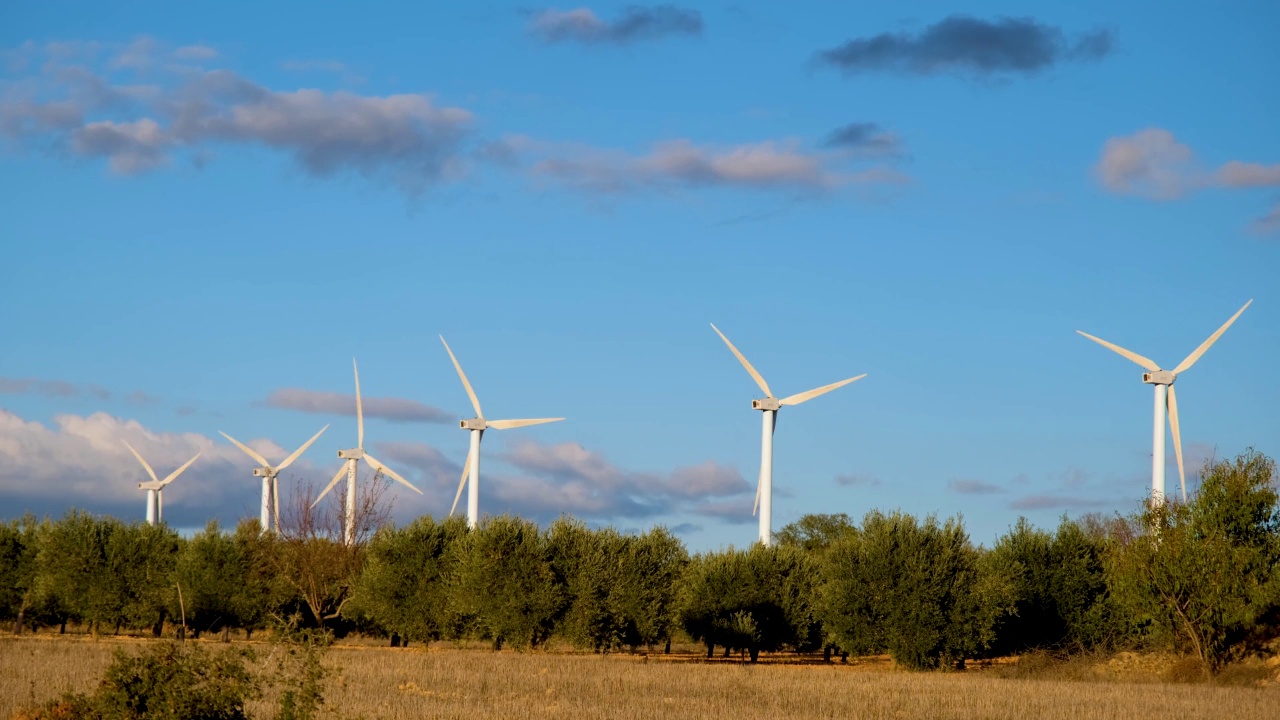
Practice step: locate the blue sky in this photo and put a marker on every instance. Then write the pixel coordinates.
(207, 205)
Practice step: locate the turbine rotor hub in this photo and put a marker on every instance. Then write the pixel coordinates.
(1159, 377)
(766, 404)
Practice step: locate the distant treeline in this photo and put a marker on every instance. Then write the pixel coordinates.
(1201, 577)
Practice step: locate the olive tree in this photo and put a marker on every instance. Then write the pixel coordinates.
(1206, 573)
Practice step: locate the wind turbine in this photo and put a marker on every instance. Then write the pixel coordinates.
(270, 477)
(477, 426)
(1166, 399)
(155, 488)
(353, 457)
(770, 405)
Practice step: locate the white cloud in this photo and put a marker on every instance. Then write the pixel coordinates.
(407, 140)
(1151, 163)
(82, 461)
(331, 403)
(767, 165)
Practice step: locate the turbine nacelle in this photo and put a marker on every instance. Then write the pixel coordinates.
(473, 424)
(768, 403)
(1159, 377)
(262, 472)
(352, 454)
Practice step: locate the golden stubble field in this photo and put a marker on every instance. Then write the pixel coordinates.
(446, 682)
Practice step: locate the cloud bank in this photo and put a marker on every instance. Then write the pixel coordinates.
(81, 461)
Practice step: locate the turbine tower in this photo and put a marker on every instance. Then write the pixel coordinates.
(353, 458)
(770, 405)
(477, 426)
(1166, 399)
(155, 488)
(270, 478)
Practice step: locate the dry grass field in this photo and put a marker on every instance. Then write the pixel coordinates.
(446, 682)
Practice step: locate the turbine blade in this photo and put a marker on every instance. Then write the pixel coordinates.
(296, 453)
(754, 375)
(509, 424)
(389, 472)
(475, 402)
(1172, 403)
(359, 408)
(160, 505)
(150, 472)
(1193, 357)
(341, 471)
(174, 475)
(1147, 363)
(466, 472)
(811, 394)
(247, 450)
(755, 508)
(275, 500)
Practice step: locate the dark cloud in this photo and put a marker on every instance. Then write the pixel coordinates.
(52, 388)
(407, 140)
(332, 403)
(973, 487)
(967, 45)
(635, 24)
(865, 138)
(857, 480)
(140, 399)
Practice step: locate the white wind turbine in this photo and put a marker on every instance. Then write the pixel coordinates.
(353, 457)
(770, 405)
(477, 426)
(270, 478)
(155, 488)
(1166, 399)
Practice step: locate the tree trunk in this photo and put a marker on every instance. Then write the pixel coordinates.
(117, 632)
(667, 651)
(755, 654)
(17, 625)
(62, 629)
(157, 629)
(226, 634)
(826, 654)
(248, 634)
(726, 651)
(844, 657)
(711, 648)
(395, 640)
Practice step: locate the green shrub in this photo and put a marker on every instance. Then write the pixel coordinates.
(167, 681)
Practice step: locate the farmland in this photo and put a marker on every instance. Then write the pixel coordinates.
(446, 681)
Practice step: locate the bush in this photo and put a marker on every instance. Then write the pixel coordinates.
(167, 681)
